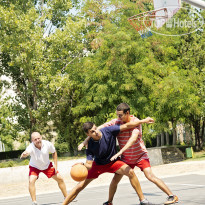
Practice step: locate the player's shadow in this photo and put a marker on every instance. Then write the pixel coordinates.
(153, 204)
(152, 194)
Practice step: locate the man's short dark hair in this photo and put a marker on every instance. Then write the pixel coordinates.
(123, 107)
(87, 126)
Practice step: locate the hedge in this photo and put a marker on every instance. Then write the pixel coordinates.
(10, 154)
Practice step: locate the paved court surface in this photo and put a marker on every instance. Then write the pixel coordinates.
(190, 189)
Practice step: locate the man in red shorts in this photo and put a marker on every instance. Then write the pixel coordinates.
(133, 154)
(39, 162)
(101, 148)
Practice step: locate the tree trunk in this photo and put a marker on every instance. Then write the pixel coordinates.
(167, 138)
(33, 106)
(197, 134)
(174, 141)
(158, 140)
(162, 138)
(174, 136)
(202, 133)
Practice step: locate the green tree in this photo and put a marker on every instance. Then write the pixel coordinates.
(69, 68)
(7, 126)
(194, 68)
(33, 61)
(41, 50)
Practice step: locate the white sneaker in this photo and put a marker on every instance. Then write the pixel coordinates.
(34, 203)
(145, 202)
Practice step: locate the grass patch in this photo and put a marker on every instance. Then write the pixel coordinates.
(198, 156)
(13, 163)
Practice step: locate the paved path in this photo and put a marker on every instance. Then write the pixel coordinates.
(190, 189)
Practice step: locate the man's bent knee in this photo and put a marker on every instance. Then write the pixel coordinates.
(128, 171)
(32, 179)
(124, 170)
(80, 186)
(151, 177)
(154, 179)
(60, 181)
(131, 173)
(59, 178)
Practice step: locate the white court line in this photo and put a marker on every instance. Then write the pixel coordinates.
(195, 185)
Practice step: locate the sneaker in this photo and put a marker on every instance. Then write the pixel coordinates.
(34, 203)
(172, 200)
(107, 203)
(145, 202)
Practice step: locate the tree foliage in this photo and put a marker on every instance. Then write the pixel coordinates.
(70, 63)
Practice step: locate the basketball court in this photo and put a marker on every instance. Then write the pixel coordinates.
(190, 189)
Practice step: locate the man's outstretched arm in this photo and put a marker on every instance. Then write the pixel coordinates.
(133, 124)
(129, 143)
(135, 133)
(126, 126)
(24, 154)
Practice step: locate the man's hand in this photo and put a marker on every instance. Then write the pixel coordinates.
(80, 146)
(84, 143)
(24, 155)
(148, 120)
(54, 166)
(116, 156)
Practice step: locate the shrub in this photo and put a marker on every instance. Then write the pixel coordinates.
(10, 154)
(10, 163)
(6, 164)
(62, 148)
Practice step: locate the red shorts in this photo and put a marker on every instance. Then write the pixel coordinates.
(141, 164)
(97, 170)
(49, 172)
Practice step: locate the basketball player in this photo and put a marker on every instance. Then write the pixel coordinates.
(101, 148)
(39, 151)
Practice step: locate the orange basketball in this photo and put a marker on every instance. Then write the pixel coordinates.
(79, 172)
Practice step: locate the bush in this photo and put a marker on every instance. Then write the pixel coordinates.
(10, 164)
(10, 154)
(62, 148)
(13, 163)
(3, 165)
(6, 164)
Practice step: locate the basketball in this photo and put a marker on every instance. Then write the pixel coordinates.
(79, 172)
